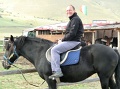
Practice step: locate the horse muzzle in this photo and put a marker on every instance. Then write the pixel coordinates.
(5, 64)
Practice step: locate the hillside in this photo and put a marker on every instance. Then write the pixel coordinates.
(55, 9)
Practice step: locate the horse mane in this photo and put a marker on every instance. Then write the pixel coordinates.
(20, 41)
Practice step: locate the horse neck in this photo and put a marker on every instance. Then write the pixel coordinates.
(34, 51)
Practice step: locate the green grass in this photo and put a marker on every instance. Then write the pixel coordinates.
(17, 81)
(56, 9)
(16, 27)
(10, 22)
(26, 22)
(1, 49)
(29, 14)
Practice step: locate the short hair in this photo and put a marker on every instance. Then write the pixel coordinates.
(72, 7)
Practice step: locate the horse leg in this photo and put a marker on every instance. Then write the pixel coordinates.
(51, 83)
(104, 81)
(112, 83)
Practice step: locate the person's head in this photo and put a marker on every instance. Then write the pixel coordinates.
(70, 10)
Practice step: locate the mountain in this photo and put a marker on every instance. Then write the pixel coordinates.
(56, 9)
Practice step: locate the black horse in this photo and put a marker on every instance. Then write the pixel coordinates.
(95, 58)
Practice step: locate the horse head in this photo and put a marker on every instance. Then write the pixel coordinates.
(23, 46)
(108, 40)
(11, 53)
(105, 41)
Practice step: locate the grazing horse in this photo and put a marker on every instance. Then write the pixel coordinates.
(95, 58)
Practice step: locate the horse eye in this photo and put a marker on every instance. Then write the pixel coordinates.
(8, 46)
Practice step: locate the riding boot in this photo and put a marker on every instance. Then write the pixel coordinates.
(56, 75)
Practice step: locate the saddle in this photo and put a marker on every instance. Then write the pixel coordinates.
(67, 58)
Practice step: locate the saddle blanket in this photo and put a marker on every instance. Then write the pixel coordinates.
(68, 58)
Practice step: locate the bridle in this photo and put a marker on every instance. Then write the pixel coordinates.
(14, 53)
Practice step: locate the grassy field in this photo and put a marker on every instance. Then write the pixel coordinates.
(56, 10)
(16, 26)
(18, 82)
(16, 16)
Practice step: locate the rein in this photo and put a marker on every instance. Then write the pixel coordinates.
(8, 60)
(26, 79)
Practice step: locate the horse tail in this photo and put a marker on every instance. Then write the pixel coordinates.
(117, 71)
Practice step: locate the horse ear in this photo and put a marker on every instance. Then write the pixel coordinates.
(11, 38)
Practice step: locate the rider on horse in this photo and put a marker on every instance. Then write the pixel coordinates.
(74, 31)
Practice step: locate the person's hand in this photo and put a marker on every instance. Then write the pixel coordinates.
(59, 41)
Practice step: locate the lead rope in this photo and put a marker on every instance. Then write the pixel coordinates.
(26, 79)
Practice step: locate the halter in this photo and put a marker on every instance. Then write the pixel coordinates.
(14, 53)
